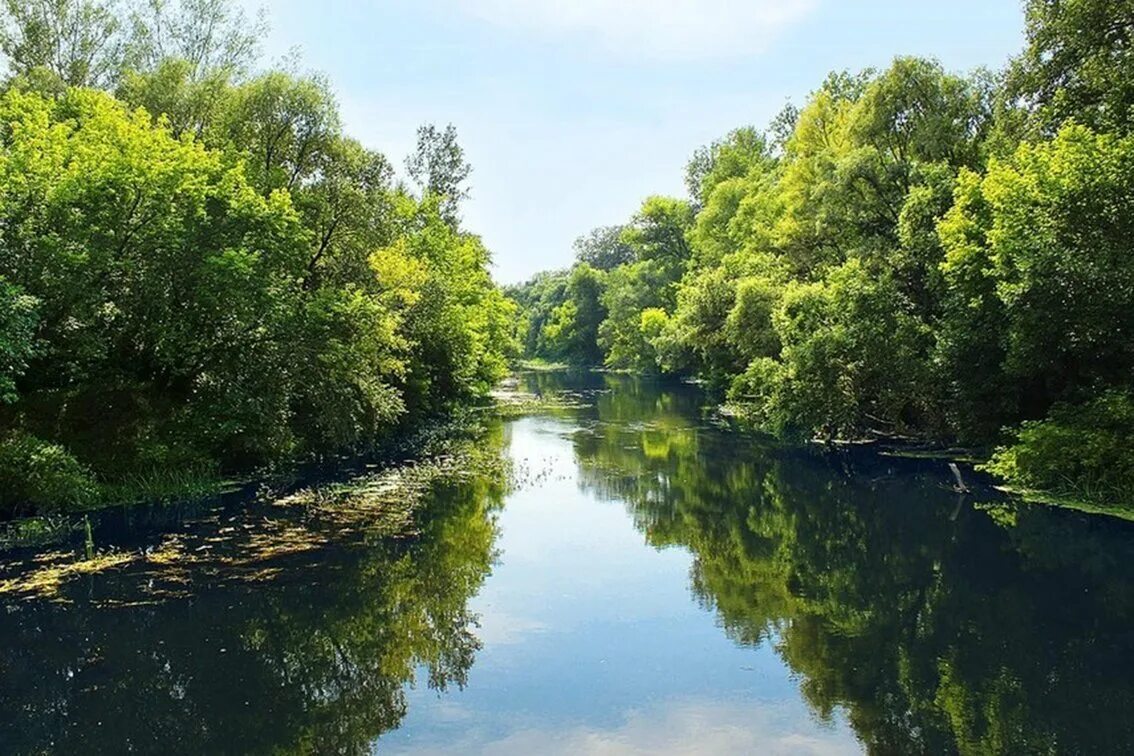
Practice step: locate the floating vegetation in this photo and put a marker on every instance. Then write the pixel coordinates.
(47, 573)
(510, 402)
(543, 366)
(256, 543)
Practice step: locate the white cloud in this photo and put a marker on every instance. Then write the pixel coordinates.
(675, 728)
(653, 28)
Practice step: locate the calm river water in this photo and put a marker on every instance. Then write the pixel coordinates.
(644, 580)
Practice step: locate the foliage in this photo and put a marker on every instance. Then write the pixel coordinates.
(37, 476)
(572, 331)
(1020, 256)
(1078, 450)
(202, 272)
(603, 248)
(853, 358)
(439, 168)
(79, 42)
(1077, 65)
(892, 257)
(18, 321)
(97, 43)
(630, 291)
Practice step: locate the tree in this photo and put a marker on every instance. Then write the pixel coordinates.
(284, 124)
(1040, 245)
(603, 248)
(439, 169)
(657, 231)
(630, 290)
(209, 36)
(1078, 65)
(18, 321)
(731, 157)
(187, 105)
(572, 331)
(96, 228)
(79, 42)
(348, 204)
(853, 356)
(537, 300)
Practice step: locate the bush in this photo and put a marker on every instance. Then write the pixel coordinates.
(758, 393)
(1082, 451)
(38, 476)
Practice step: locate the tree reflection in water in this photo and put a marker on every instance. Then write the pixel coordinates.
(315, 660)
(936, 624)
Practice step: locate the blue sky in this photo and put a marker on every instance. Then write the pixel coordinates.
(572, 112)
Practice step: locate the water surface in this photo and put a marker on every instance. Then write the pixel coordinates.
(646, 580)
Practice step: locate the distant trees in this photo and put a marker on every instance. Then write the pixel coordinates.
(603, 248)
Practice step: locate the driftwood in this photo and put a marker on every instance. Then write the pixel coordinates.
(960, 486)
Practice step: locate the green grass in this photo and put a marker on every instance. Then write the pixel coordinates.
(35, 531)
(165, 486)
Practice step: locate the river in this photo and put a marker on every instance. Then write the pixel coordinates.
(639, 578)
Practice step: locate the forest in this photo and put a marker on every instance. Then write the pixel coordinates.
(912, 254)
(201, 273)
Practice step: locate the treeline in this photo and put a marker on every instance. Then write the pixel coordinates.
(912, 252)
(200, 272)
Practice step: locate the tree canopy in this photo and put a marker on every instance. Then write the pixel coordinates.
(200, 270)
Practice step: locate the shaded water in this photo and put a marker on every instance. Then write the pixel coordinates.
(644, 581)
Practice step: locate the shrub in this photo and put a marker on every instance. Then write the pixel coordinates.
(39, 476)
(1078, 450)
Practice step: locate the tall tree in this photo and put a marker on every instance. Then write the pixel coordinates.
(438, 167)
(209, 35)
(603, 248)
(1078, 64)
(79, 42)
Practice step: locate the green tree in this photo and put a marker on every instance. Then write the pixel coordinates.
(603, 248)
(1077, 65)
(629, 291)
(852, 356)
(99, 209)
(18, 321)
(208, 36)
(572, 331)
(79, 42)
(439, 169)
(1040, 245)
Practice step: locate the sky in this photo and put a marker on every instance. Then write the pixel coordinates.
(573, 112)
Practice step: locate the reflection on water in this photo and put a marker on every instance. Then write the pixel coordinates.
(839, 603)
(314, 658)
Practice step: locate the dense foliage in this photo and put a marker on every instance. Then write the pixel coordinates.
(911, 252)
(200, 270)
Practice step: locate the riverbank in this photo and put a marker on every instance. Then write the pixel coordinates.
(402, 466)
